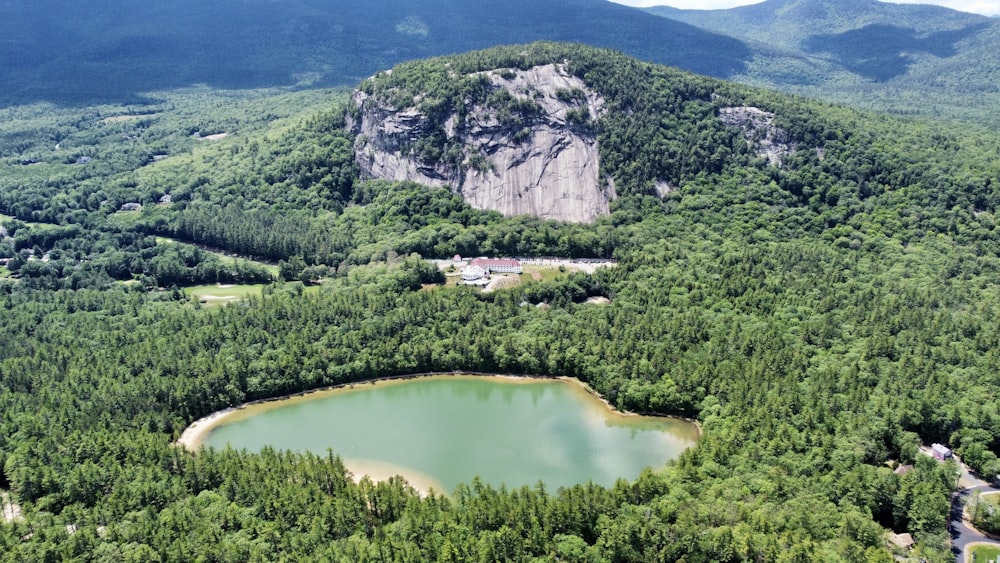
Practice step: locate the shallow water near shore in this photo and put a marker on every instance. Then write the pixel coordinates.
(441, 431)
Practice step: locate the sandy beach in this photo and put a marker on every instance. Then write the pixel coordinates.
(381, 471)
(195, 433)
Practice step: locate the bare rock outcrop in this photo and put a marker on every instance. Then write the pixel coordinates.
(543, 161)
(767, 140)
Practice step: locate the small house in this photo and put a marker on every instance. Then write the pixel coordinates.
(940, 452)
(902, 541)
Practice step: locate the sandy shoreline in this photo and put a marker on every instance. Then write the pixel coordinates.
(193, 435)
(381, 471)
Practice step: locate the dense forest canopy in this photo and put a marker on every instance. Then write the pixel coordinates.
(822, 319)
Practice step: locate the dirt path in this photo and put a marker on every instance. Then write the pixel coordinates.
(11, 511)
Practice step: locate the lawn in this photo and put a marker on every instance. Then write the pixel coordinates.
(545, 273)
(4, 218)
(984, 554)
(219, 294)
(271, 268)
(991, 498)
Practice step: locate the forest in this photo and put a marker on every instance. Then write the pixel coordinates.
(821, 320)
(904, 59)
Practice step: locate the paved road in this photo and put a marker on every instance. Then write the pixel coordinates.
(961, 534)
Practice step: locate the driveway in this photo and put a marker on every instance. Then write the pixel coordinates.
(961, 533)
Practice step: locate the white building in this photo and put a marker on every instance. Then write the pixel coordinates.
(498, 265)
(940, 452)
(473, 272)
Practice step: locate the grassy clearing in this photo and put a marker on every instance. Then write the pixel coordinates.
(545, 273)
(220, 294)
(993, 499)
(12, 218)
(271, 268)
(983, 554)
(530, 273)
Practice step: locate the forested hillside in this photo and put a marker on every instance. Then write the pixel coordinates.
(905, 59)
(821, 317)
(119, 51)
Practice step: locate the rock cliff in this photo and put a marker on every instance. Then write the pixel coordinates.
(529, 149)
(766, 139)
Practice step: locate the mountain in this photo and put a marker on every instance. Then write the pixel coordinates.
(816, 285)
(903, 58)
(806, 24)
(525, 139)
(115, 50)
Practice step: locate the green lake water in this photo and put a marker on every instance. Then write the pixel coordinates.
(450, 429)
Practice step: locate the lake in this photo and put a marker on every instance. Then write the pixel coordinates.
(444, 430)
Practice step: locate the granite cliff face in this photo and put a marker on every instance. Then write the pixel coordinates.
(767, 140)
(530, 150)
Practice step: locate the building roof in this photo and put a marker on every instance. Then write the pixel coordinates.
(473, 272)
(904, 541)
(941, 449)
(903, 469)
(495, 262)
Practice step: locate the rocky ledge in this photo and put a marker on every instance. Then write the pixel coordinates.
(767, 140)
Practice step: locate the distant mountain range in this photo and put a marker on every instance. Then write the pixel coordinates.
(903, 58)
(114, 50)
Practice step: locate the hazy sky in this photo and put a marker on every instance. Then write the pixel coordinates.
(987, 7)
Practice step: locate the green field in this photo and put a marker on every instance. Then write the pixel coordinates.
(545, 273)
(983, 554)
(4, 218)
(272, 268)
(220, 294)
(991, 499)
